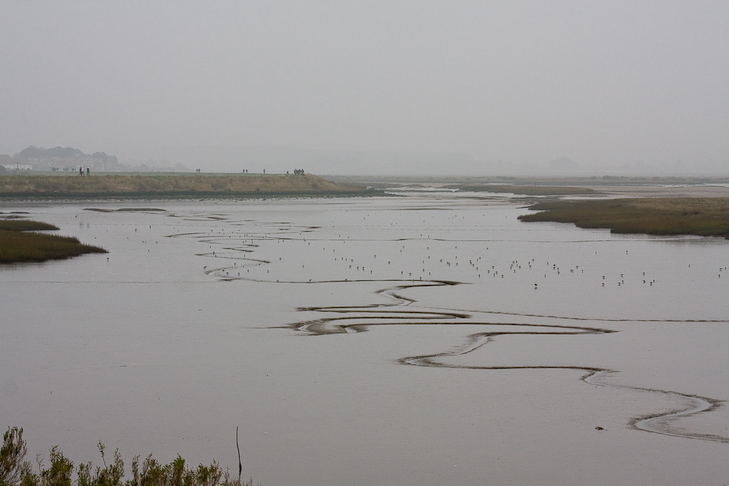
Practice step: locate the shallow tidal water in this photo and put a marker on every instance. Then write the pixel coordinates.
(427, 339)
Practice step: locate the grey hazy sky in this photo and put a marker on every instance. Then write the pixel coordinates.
(602, 82)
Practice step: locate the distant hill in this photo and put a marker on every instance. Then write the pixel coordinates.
(33, 152)
(64, 159)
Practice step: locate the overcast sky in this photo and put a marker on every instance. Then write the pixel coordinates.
(604, 83)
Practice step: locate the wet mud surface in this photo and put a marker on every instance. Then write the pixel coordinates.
(398, 311)
(297, 316)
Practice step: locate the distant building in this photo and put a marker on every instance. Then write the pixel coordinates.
(18, 166)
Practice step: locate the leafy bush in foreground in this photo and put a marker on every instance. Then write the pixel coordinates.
(15, 470)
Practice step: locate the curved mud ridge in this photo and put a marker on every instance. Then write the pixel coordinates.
(360, 318)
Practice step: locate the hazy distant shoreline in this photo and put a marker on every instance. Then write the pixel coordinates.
(658, 185)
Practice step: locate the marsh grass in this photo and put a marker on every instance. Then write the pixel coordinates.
(25, 225)
(18, 243)
(653, 216)
(198, 185)
(15, 470)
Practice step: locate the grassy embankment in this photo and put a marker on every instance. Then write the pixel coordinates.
(173, 186)
(653, 216)
(15, 470)
(20, 243)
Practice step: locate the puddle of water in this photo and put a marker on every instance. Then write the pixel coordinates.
(418, 340)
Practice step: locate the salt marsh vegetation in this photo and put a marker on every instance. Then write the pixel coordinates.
(700, 216)
(20, 242)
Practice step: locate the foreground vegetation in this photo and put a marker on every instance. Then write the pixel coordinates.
(18, 245)
(15, 470)
(653, 216)
(193, 185)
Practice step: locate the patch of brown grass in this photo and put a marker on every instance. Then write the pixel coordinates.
(19, 243)
(25, 225)
(654, 216)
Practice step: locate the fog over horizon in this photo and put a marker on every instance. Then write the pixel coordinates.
(376, 87)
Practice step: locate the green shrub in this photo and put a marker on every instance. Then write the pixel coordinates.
(13, 466)
(15, 470)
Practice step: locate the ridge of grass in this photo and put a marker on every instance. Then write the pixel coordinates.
(20, 243)
(25, 225)
(653, 216)
(181, 186)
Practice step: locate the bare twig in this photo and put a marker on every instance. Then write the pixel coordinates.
(240, 464)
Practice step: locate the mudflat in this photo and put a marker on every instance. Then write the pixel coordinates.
(394, 340)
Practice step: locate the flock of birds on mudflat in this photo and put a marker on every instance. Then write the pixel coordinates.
(245, 250)
(356, 260)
